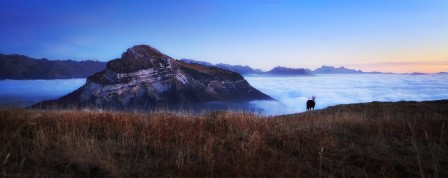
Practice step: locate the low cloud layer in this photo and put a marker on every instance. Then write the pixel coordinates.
(32, 91)
(293, 92)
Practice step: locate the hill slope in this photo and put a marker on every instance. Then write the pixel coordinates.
(403, 139)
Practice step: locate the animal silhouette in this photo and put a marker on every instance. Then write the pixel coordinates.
(310, 104)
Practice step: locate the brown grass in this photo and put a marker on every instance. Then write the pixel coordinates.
(405, 139)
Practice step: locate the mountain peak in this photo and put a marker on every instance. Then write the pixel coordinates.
(143, 51)
(137, 58)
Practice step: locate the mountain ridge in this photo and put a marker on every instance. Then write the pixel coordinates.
(15, 66)
(281, 70)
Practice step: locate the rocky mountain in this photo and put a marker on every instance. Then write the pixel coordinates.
(289, 71)
(22, 67)
(145, 77)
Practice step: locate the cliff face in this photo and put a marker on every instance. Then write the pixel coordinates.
(143, 76)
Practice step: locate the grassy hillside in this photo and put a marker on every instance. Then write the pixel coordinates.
(404, 139)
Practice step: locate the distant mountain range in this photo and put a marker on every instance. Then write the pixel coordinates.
(246, 70)
(243, 70)
(334, 70)
(279, 70)
(16, 66)
(288, 71)
(22, 67)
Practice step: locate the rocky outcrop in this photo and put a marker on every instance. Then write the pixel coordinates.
(145, 77)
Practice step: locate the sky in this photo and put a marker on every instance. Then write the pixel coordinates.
(371, 35)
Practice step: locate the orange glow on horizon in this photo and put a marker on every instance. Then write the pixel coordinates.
(405, 67)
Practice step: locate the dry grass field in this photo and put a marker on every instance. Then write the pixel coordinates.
(401, 139)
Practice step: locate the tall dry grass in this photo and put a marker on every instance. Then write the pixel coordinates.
(405, 139)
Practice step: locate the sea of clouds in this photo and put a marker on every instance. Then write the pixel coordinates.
(28, 92)
(293, 92)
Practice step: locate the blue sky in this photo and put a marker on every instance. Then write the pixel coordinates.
(382, 35)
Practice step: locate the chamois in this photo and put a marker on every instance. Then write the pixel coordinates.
(310, 104)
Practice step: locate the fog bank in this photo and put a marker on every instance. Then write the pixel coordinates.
(293, 92)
